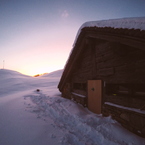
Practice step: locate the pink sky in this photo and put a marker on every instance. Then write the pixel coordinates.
(37, 36)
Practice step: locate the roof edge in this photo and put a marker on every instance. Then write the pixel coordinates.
(124, 23)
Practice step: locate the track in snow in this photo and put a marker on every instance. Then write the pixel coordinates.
(78, 125)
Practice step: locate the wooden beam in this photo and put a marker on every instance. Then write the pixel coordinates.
(130, 41)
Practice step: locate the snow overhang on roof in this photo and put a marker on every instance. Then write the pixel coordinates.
(124, 23)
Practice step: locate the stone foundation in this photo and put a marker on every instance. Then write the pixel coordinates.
(128, 118)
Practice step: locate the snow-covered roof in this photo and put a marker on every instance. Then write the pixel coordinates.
(131, 24)
(124, 23)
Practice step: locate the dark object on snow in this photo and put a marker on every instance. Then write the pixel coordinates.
(37, 90)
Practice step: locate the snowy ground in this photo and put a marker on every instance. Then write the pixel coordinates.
(28, 117)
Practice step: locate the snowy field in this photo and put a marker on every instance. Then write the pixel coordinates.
(29, 117)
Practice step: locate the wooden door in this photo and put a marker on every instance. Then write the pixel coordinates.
(95, 95)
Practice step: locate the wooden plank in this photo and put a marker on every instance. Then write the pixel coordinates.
(130, 41)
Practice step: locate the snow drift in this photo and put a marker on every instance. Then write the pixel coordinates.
(43, 117)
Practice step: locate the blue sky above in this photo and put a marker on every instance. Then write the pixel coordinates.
(36, 36)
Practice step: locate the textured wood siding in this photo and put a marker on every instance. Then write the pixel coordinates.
(83, 70)
(114, 63)
(118, 63)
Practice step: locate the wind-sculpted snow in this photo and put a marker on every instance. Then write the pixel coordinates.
(5, 73)
(12, 81)
(78, 125)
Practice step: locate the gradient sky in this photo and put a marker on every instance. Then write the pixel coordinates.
(36, 36)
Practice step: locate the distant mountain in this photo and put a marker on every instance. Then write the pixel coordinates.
(57, 73)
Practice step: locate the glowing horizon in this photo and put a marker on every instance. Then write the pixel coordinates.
(37, 70)
(37, 37)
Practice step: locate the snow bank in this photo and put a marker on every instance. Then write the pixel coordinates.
(5, 73)
(13, 81)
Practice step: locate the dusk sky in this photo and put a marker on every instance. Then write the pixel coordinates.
(36, 36)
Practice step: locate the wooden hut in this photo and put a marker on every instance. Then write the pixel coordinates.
(106, 71)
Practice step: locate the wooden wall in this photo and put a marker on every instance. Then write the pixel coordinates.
(113, 63)
(117, 63)
(122, 69)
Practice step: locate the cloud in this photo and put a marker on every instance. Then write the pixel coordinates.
(64, 14)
